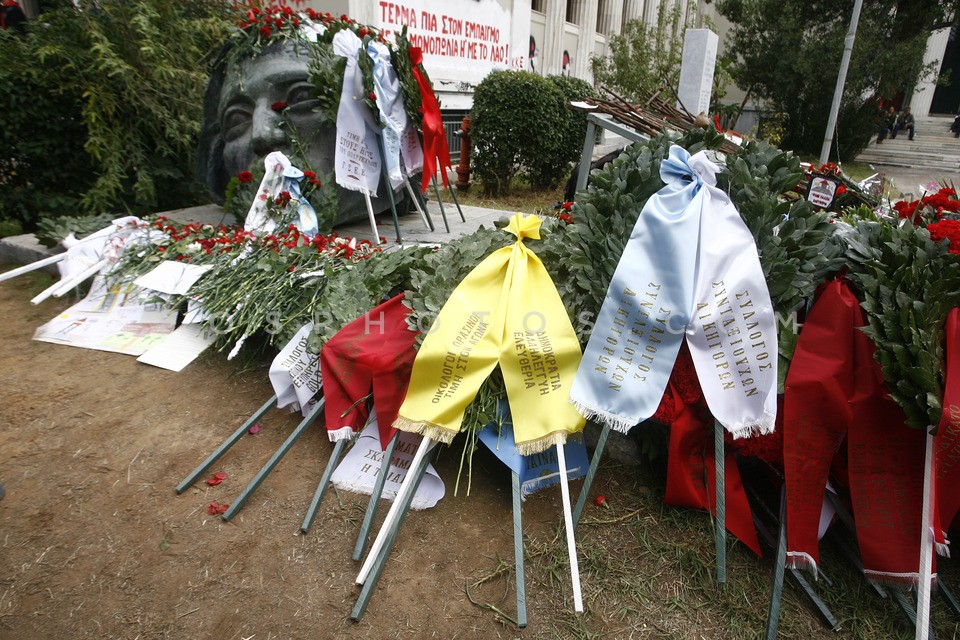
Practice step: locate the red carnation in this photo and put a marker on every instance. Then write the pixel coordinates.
(265, 31)
(372, 95)
(245, 177)
(279, 105)
(601, 501)
(949, 229)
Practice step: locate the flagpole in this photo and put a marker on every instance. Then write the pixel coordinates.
(375, 498)
(841, 80)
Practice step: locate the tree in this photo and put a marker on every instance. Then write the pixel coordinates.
(115, 93)
(788, 54)
(643, 59)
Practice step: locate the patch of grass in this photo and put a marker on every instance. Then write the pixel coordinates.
(648, 571)
(522, 198)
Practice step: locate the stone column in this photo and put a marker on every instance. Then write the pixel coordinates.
(923, 92)
(632, 10)
(587, 20)
(650, 12)
(551, 50)
(611, 22)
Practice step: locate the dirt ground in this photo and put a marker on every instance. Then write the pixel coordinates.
(95, 542)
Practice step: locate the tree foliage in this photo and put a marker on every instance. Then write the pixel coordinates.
(106, 103)
(788, 54)
(643, 58)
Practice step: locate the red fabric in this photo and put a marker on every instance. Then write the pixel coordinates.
(691, 478)
(374, 353)
(435, 149)
(886, 464)
(817, 413)
(947, 441)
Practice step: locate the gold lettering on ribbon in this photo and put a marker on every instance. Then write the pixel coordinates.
(637, 330)
(731, 322)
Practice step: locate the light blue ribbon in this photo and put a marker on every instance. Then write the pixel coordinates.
(630, 355)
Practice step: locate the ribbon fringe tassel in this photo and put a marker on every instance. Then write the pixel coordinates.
(596, 414)
(557, 438)
(804, 561)
(426, 428)
(911, 580)
(760, 427)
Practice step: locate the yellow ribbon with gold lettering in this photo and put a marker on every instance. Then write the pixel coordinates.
(507, 311)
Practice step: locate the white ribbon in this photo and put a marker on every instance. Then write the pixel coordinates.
(398, 136)
(356, 160)
(280, 175)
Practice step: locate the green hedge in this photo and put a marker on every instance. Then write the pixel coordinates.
(517, 126)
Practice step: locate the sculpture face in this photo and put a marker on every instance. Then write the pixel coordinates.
(249, 125)
(240, 125)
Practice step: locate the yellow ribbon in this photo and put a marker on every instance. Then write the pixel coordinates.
(507, 311)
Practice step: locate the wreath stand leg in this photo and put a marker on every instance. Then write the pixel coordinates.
(518, 551)
(416, 203)
(926, 545)
(828, 618)
(568, 522)
(391, 523)
(720, 496)
(291, 440)
(322, 487)
(776, 597)
(443, 213)
(59, 289)
(419, 468)
(388, 186)
(372, 218)
(456, 201)
(375, 498)
(225, 446)
(33, 266)
(591, 472)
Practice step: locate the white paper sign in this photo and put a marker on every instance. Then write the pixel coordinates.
(179, 349)
(172, 277)
(358, 470)
(295, 373)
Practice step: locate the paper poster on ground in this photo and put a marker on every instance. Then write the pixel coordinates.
(121, 319)
(358, 470)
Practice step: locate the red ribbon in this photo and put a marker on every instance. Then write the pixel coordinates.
(374, 353)
(835, 389)
(885, 458)
(947, 441)
(816, 414)
(435, 149)
(691, 479)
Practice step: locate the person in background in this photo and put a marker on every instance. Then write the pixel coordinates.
(955, 127)
(904, 121)
(12, 16)
(886, 121)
